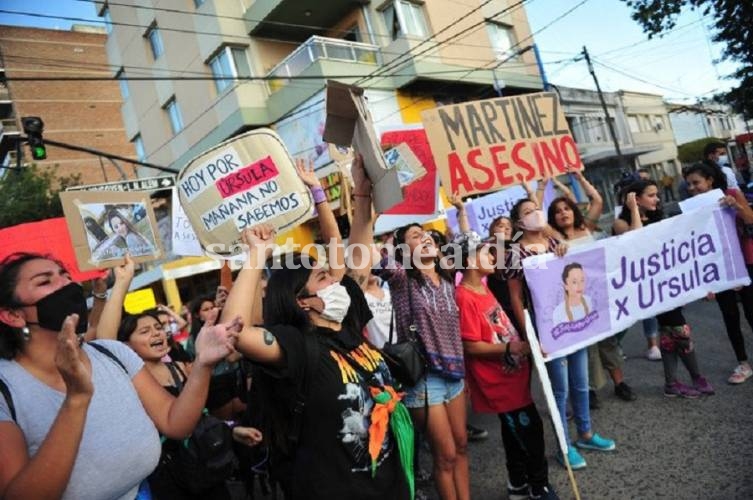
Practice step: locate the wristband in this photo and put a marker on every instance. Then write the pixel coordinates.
(318, 194)
(362, 195)
(100, 296)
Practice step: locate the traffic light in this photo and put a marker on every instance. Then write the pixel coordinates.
(33, 128)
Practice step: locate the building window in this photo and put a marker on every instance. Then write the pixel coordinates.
(659, 123)
(404, 17)
(155, 41)
(229, 62)
(503, 39)
(646, 125)
(108, 19)
(198, 3)
(138, 143)
(633, 124)
(173, 112)
(123, 84)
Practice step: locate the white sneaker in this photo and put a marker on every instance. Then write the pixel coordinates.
(740, 375)
(653, 354)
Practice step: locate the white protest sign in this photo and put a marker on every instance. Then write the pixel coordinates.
(185, 241)
(710, 198)
(602, 288)
(248, 180)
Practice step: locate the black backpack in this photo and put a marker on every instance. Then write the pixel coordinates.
(206, 458)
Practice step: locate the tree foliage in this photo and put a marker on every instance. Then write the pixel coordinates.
(733, 28)
(692, 152)
(31, 194)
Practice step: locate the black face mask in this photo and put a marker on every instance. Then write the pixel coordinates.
(54, 308)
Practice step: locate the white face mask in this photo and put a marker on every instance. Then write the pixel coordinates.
(535, 221)
(723, 160)
(336, 302)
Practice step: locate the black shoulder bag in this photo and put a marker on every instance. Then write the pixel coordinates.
(406, 359)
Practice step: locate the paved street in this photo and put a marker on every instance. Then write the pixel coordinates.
(666, 448)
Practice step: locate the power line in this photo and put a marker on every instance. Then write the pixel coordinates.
(625, 73)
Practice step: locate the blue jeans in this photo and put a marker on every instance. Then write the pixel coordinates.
(440, 390)
(569, 374)
(650, 328)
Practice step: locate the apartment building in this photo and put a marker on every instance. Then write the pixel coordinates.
(300, 43)
(228, 67)
(702, 120)
(84, 113)
(650, 126)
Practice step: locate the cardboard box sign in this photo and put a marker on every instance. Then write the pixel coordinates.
(105, 225)
(248, 180)
(487, 145)
(349, 122)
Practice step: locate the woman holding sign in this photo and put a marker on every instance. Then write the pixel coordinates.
(702, 178)
(335, 424)
(642, 208)
(569, 375)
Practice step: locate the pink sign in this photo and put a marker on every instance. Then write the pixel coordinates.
(421, 196)
(248, 177)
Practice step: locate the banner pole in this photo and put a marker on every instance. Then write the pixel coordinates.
(546, 386)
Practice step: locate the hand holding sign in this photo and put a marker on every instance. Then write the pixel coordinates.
(260, 238)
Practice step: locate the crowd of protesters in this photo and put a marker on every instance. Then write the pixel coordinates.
(287, 381)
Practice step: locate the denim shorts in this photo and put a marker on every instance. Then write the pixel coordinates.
(439, 389)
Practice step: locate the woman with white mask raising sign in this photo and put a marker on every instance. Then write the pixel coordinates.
(335, 424)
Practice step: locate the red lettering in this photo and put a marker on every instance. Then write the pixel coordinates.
(520, 162)
(458, 175)
(539, 160)
(501, 166)
(567, 145)
(473, 162)
(553, 155)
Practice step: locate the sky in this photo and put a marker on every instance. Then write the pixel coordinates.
(679, 66)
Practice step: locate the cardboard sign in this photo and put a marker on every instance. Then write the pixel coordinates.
(248, 180)
(349, 122)
(46, 237)
(487, 145)
(185, 241)
(607, 286)
(105, 225)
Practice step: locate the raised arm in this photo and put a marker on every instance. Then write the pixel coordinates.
(182, 323)
(327, 222)
(255, 343)
(620, 226)
(109, 322)
(463, 223)
(362, 229)
(597, 203)
(46, 474)
(566, 191)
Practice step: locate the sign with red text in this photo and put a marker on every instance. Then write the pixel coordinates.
(248, 180)
(599, 289)
(420, 197)
(488, 145)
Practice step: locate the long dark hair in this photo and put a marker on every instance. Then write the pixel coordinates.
(129, 323)
(718, 179)
(412, 270)
(579, 222)
(11, 339)
(515, 211)
(196, 322)
(565, 273)
(285, 285)
(639, 187)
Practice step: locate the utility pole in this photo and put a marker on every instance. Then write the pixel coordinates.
(621, 159)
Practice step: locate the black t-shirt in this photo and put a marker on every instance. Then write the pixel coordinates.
(332, 458)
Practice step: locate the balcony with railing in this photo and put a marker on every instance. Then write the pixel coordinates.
(317, 51)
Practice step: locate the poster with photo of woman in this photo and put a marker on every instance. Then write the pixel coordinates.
(104, 226)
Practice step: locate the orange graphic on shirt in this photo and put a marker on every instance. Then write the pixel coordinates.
(365, 356)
